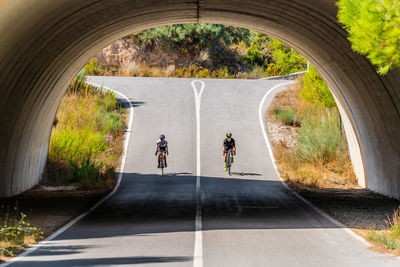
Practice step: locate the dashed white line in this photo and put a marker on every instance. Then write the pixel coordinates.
(198, 244)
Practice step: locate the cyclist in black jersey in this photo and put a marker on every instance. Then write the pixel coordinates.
(229, 143)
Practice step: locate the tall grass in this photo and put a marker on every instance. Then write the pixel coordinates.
(319, 157)
(256, 73)
(83, 145)
(388, 238)
(320, 136)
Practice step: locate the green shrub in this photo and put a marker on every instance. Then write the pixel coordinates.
(320, 136)
(256, 53)
(283, 60)
(256, 73)
(190, 40)
(77, 145)
(106, 101)
(86, 171)
(389, 238)
(79, 85)
(223, 73)
(315, 90)
(92, 67)
(15, 231)
(204, 73)
(284, 115)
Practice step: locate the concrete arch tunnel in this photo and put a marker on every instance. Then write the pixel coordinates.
(43, 44)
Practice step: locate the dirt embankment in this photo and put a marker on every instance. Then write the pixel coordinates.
(125, 51)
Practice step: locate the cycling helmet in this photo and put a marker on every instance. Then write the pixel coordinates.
(228, 135)
(162, 137)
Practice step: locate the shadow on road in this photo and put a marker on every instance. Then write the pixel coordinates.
(148, 204)
(125, 104)
(246, 174)
(103, 261)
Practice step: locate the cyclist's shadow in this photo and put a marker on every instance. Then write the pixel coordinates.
(246, 173)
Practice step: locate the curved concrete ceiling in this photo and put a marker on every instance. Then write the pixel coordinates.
(43, 44)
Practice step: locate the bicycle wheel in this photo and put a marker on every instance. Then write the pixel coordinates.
(162, 165)
(229, 160)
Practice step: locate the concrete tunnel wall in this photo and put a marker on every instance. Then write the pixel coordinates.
(43, 44)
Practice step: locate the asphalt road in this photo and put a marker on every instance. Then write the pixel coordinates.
(247, 219)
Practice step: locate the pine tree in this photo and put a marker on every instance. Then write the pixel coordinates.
(374, 30)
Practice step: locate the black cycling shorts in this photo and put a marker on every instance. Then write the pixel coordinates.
(162, 149)
(226, 149)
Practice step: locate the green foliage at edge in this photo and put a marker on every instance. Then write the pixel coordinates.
(374, 30)
(274, 56)
(315, 90)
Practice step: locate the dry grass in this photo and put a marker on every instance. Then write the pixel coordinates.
(317, 172)
(337, 173)
(389, 238)
(86, 142)
(134, 69)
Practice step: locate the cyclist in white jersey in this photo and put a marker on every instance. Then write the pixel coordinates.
(162, 147)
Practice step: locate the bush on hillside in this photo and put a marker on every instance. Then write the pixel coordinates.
(315, 90)
(285, 115)
(192, 39)
(93, 67)
(284, 60)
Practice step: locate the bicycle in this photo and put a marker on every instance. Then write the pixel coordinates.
(161, 163)
(229, 161)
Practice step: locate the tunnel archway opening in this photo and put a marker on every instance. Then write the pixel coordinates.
(45, 49)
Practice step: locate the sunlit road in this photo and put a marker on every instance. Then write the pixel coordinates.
(247, 219)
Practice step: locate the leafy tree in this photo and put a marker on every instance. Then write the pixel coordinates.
(285, 60)
(374, 30)
(315, 90)
(274, 56)
(257, 53)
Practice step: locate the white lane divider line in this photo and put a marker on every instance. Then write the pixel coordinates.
(271, 154)
(77, 219)
(198, 244)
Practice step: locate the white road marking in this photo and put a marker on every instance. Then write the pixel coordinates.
(324, 214)
(198, 244)
(77, 219)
